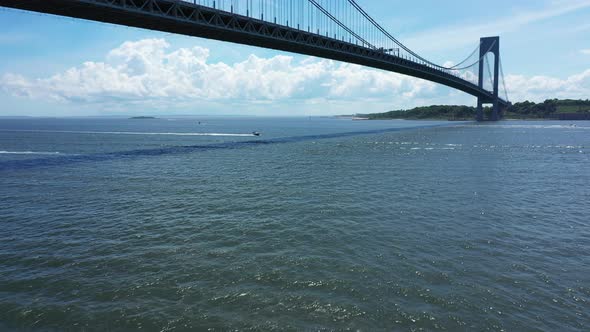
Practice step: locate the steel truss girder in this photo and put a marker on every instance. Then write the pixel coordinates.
(186, 18)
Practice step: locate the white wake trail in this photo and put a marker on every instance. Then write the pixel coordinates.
(129, 133)
(29, 152)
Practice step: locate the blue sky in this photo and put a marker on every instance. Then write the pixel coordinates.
(55, 66)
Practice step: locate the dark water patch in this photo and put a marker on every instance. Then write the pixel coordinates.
(173, 150)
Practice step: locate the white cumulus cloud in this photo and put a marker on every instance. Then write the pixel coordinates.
(150, 69)
(539, 88)
(150, 73)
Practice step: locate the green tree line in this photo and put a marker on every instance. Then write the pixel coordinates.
(547, 109)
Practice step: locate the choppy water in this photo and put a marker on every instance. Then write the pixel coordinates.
(318, 224)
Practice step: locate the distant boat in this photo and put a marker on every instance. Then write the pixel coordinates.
(255, 133)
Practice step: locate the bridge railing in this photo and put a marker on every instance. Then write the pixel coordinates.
(334, 29)
(342, 20)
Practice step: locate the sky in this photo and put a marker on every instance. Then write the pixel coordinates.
(57, 66)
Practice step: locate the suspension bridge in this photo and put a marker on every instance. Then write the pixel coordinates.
(334, 29)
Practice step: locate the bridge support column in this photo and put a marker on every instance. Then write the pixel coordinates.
(495, 111)
(489, 45)
(479, 114)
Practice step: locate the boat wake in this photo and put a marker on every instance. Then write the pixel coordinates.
(30, 152)
(174, 150)
(130, 133)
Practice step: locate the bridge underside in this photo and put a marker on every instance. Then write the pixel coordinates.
(200, 21)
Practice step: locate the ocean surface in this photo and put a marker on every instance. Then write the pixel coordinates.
(318, 224)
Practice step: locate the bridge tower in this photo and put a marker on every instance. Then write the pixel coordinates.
(489, 45)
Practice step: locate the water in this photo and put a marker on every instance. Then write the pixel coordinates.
(318, 224)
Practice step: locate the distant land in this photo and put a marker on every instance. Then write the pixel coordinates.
(142, 117)
(555, 109)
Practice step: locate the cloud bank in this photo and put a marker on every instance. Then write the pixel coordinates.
(149, 72)
(539, 88)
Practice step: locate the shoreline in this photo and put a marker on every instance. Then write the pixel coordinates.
(460, 120)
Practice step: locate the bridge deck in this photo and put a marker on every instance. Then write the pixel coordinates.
(200, 21)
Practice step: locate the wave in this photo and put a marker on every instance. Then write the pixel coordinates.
(521, 126)
(128, 133)
(29, 152)
(66, 159)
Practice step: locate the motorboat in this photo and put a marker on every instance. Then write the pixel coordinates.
(255, 133)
